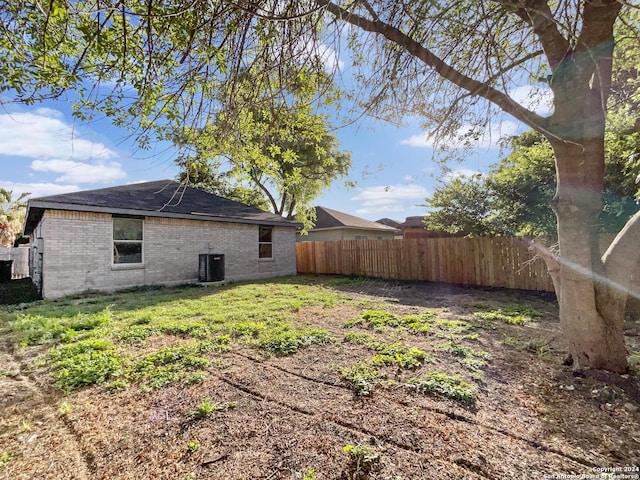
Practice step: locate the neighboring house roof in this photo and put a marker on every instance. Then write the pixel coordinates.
(331, 219)
(389, 222)
(162, 198)
(417, 221)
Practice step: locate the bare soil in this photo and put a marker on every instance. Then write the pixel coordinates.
(534, 416)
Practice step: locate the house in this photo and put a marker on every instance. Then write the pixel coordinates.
(333, 225)
(414, 227)
(392, 223)
(151, 234)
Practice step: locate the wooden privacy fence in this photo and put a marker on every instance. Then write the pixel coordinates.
(497, 262)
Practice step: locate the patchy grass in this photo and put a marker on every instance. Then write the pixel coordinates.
(153, 375)
(514, 314)
(362, 378)
(445, 385)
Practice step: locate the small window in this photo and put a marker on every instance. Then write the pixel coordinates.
(127, 240)
(361, 237)
(265, 242)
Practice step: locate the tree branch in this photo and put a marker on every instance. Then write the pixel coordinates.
(445, 70)
(623, 255)
(538, 15)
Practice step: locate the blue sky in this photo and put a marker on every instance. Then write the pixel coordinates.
(43, 150)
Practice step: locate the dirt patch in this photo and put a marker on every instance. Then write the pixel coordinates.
(291, 417)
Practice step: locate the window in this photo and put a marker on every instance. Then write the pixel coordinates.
(127, 240)
(265, 242)
(361, 237)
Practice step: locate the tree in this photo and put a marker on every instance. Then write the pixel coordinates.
(462, 206)
(12, 214)
(277, 151)
(451, 64)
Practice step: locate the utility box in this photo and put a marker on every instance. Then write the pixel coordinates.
(5, 270)
(211, 267)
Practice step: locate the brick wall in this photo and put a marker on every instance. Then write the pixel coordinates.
(77, 252)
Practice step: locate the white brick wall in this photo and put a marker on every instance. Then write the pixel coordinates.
(78, 252)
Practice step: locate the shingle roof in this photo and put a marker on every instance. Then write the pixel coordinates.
(328, 218)
(389, 222)
(162, 198)
(417, 221)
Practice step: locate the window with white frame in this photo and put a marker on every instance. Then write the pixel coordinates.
(265, 242)
(127, 240)
(361, 237)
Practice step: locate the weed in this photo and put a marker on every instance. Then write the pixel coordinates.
(206, 408)
(116, 386)
(25, 425)
(193, 446)
(289, 342)
(473, 364)
(509, 341)
(195, 377)
(84, 363)
(364, 459)
(169, 364)
(445, 385)
(511, 314)
(380, 320)
(402, 356)
(137, 333)
(39, 329)
(5, 457)
(65, 408)
(248, 328)
(309, 474)
(453, 326)
(362, 378)
(359, 338)
(456, 349)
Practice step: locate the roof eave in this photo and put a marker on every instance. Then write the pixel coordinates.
(40, 206)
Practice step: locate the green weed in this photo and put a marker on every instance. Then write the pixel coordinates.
(538, 347)
(207, 407)
(172, 363)
(193, 446)
(456, 349)
(289, 342)
(362, 378)
(402, 356)
(5, 457)
(380, 320)
(34, 329)
(364, 459)
(84, 363)
(511, 314)
(65, 408)
(446, 386)
(137, 333)
(309, 474)
(509, 341)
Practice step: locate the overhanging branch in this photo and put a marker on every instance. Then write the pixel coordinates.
(446, 71)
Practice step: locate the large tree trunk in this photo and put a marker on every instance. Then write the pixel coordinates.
(591, 313)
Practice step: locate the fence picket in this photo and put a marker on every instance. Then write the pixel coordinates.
(499, 262)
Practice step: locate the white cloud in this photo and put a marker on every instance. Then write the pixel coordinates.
(462, 137)
(390, 198)
(80, 172)
(37, 189)
(44, 134)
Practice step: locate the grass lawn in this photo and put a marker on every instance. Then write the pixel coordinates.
(304, 378)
